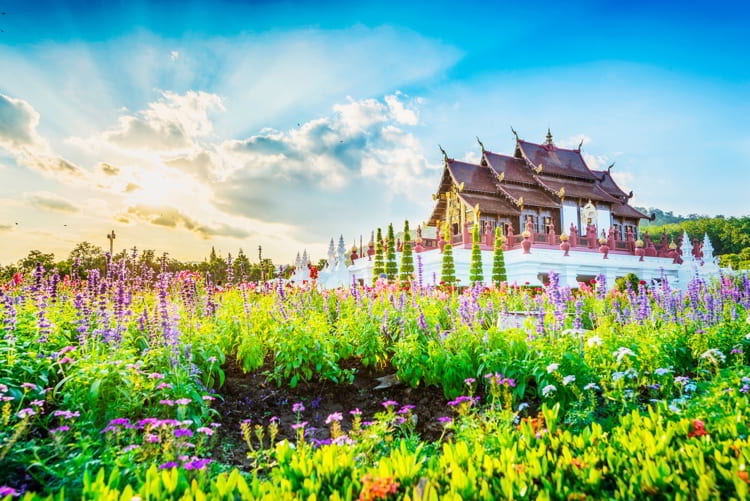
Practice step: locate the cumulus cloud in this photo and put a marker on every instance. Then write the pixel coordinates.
(169, 217)
(171, 123)
(51, 202)
(18, 135)
(131, 187)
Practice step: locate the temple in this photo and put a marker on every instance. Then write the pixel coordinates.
(555, 213)
(542, 189)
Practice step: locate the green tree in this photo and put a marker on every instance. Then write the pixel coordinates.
(498, 264)
(378, 267)
(28, 264)
(407, 260)
(89, 257)
(448, 273)
(476, 274)
(241, 266)
(391, 268)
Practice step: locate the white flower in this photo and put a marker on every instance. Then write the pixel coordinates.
(522, 406)
(714, 356)
(661, 371)
(552, 368)
(568, 379)
(591, 386)
(631, 373)
(622, 352)
(616, 376)
(548, 389)
(594, 341)
(574, 332)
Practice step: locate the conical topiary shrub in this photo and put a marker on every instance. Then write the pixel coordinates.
(498, 264)
(391, 268)
(378, 267)
(448, 273)
(476, 276)
(407, 260)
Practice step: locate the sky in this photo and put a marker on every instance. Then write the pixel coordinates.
(187, 125)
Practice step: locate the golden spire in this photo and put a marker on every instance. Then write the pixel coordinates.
(549, 137)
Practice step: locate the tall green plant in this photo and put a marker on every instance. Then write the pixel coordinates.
(407, 260)
(391, 268)
(448, 273)
(476, 275)
(378, 267)
(498, 264)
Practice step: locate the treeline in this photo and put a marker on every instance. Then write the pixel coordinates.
(662, 218)
(730, 236)
(86, 256)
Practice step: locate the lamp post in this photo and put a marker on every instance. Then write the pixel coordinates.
(111, 237)
(260, 263)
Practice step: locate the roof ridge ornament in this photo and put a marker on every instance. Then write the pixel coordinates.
(480, 144)
(609, 169)
(539, 169)
(580, 145)
(548, 141)
(514, 133)
(445, 155)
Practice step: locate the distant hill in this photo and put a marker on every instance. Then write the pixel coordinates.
(668, 217)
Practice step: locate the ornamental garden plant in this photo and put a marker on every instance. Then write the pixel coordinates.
(121, 385)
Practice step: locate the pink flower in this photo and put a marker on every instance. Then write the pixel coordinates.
(37, 403)
(24, 413)
(183, 401)
(29, 386)
(164, 385)
(156, 375)
(167, 402)
(205, 431)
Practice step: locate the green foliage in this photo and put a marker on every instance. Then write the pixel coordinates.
(378, 267)
(448, 272)
(476, 275)
(499, 274)
(728, 235)
(391, 268)
(407, 259)
(631, 278)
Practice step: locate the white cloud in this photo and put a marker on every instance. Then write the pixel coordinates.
(174, 55)
(51, 202)
(171, 123)
(19, 136)
(400, 112)
(574, 141)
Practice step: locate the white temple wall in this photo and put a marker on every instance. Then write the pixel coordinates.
(569, 215)
(603, 220)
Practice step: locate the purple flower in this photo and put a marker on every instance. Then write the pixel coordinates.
(29, 386)
(274, 419)
(170, 464)
(215, 425)
(299, 425)
(151, 438)
(131, 448)
(336, 416)
(196, 465)
(6, 491)
(389, 403)
(167, 402)
(156, 375)
(183, 401)
(120, 421)
(356, 412)
(23, 413)
(469, 380)
(108, 429)
(161, 386)
(205, 431)
(182, 432)
(59, 430)
(37, 403)
(298, 407)
(445, 419)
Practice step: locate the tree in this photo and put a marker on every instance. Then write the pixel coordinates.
(499, 274)
(377, 268)
(476, 275)
(448, 273)
(28, 263)
(407, 261)
(241, 266)
(391, 268)
(89, 257)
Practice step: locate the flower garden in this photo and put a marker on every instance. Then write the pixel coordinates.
(126, 387)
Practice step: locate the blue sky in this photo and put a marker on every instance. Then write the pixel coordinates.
(184, 125)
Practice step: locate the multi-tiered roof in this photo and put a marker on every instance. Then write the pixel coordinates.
(536, 176)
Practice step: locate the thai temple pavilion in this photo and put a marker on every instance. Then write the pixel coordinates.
(540, 188)
(557, 215)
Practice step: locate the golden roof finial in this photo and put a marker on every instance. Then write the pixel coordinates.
(549, 137)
